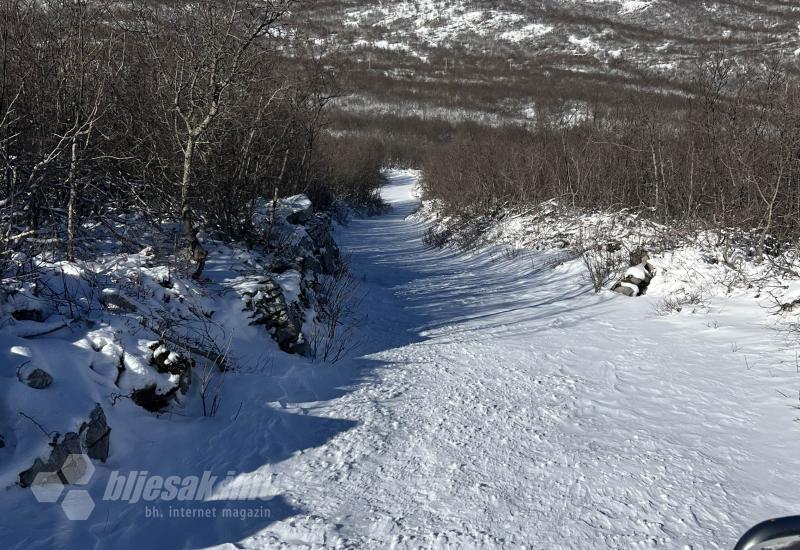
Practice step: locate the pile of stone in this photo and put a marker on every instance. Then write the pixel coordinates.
(269, 309)
(638, 276)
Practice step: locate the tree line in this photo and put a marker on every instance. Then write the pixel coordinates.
(728, 156)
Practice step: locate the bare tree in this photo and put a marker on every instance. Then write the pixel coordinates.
(203, 51)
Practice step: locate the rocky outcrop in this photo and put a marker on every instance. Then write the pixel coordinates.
(300, 209)
(307, 250)
(176, 369)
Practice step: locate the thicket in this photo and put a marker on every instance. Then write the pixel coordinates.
(728, 157)
(178, 110)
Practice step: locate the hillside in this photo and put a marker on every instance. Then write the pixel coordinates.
(499, 62)
(298, 274)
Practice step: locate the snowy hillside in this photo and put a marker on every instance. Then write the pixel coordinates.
(633, 28)
(501, 63)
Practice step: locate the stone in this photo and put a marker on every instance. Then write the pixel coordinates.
(626, 289)
(299, 207)
(70, 444)
(311, 263)
(282, 265)
(36, 315)
(38, 379)
(113, 300)
(330, 260)
(639, 256)
(269, 309)
(167, 361)
(150, 399)
(300, 217)
(325, 248)
(96, 435)
(637, 278)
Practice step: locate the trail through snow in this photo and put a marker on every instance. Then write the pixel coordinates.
(494, 402)
(511, 407)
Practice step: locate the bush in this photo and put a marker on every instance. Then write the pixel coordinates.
(348, 168)
(728, 156)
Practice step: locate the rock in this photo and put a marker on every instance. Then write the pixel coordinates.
(96, 435)
(36, 315)
(70, 444)
(113, 300)
(299, 207)
(150, 399)
(167, 361)
(300, 217)
(311, 263)
(270, 310)
(637, 279)
(638, 275)
(626, 289)
(639, 256)
(330, 259)
(93, 440)
(38, 379)
(282, 265)
(320, 232)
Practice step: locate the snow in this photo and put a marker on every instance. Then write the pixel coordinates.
(436, 22)
(493, 401)
(632, 6)
(637, 271)
(532, 30)
(512, 407)
(626, 6)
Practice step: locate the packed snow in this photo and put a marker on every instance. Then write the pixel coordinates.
(493, 400)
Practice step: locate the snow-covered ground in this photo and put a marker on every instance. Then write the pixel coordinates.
(493, 401)
(513, 407)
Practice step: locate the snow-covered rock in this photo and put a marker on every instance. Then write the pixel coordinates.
(637, 277)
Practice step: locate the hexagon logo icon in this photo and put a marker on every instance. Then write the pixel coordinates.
(77, 505)
(77, 469)
(47, 487)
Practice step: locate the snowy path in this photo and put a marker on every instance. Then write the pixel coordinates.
(509, 407)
